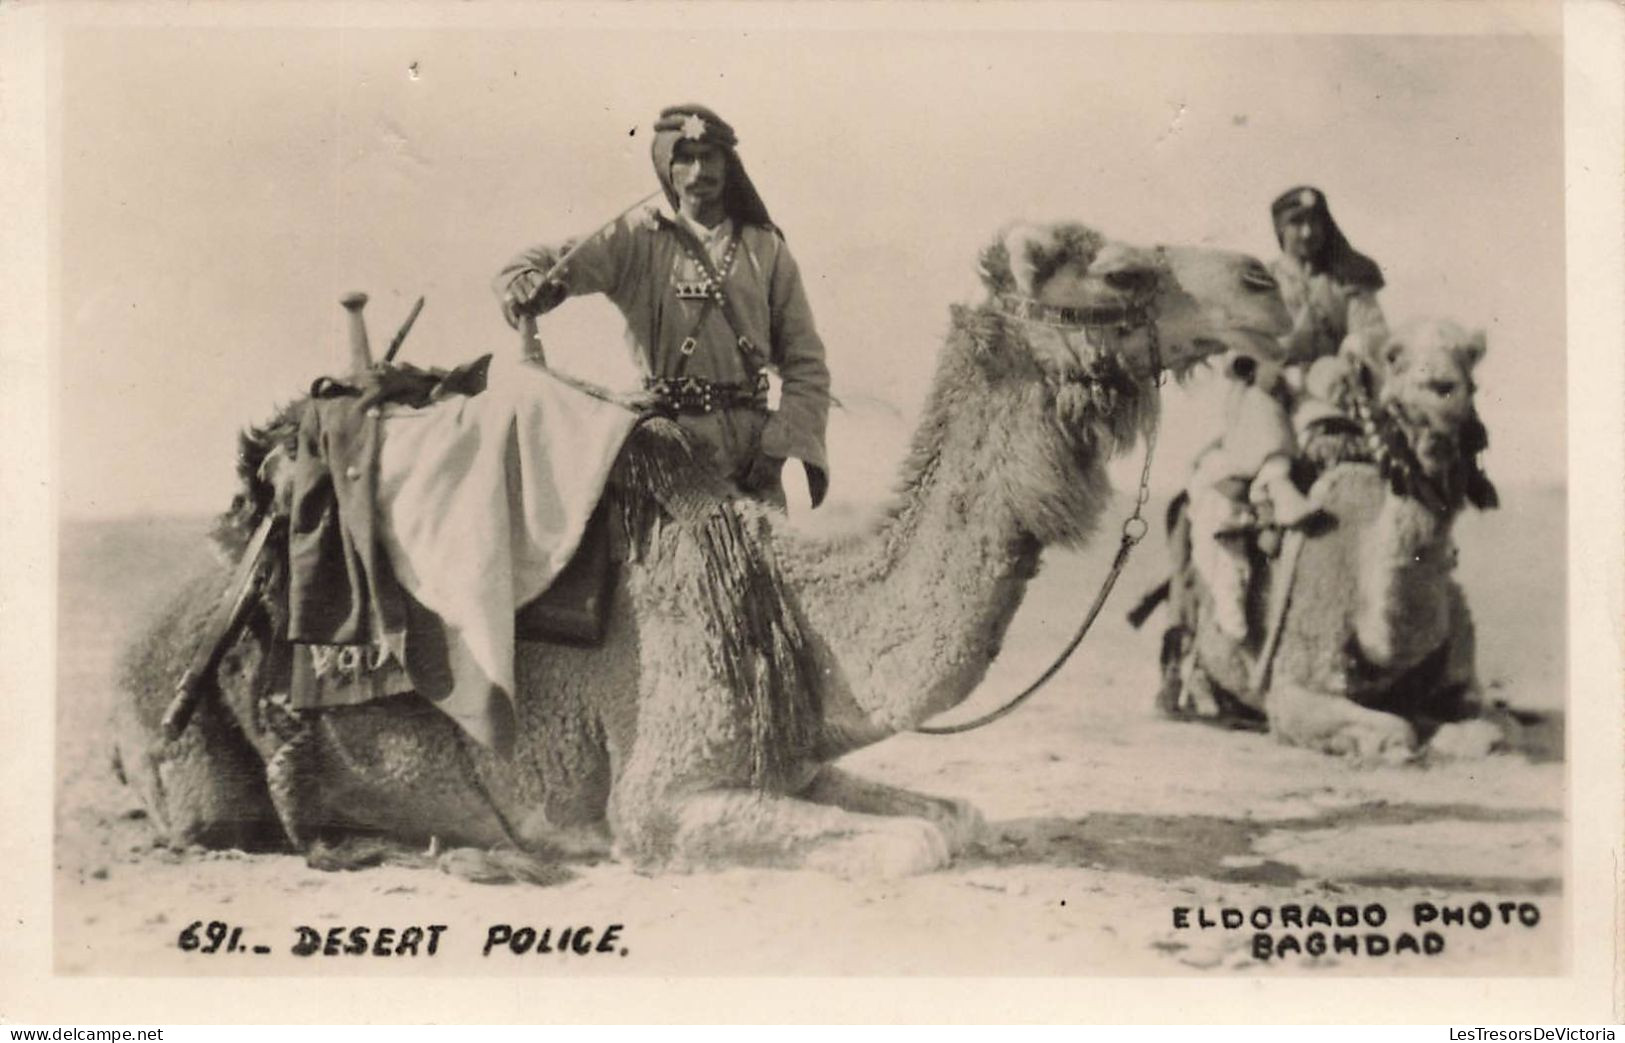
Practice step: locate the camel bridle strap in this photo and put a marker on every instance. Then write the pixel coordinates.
(1103, 325)
(1134, 530)
(1121, 317)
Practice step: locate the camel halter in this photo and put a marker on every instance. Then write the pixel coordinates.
(1093, 322)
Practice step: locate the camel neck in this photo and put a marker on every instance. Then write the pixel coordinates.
(915, 615)
(1405, 561)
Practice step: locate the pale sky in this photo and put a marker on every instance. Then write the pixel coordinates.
(222, 187)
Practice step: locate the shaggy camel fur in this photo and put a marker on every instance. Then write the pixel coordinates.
(641, 747)
(1376, 646)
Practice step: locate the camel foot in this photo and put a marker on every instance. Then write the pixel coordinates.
(1333, 724)
(1468, 740)
(1199, 697)
(587, 842)
(348, 854)
(1384, 740)
(958, 821)
(499, 866)
(740, 827)
(477, 865)
(897, 848)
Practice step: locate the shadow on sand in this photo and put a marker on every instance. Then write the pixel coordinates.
(1168, 847)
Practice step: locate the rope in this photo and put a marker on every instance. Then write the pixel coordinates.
(1118, 563)
(1265, 663)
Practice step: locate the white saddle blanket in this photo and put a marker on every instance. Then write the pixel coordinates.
(481, 502)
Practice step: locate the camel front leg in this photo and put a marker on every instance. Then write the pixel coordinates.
(1471, 730)
(717, 828)
(961, 824)
(1333, 724)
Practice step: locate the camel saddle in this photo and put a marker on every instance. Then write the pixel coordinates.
(365, 634)
(367, 637)
(574, 610)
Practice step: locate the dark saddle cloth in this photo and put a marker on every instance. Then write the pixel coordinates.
(574, 609)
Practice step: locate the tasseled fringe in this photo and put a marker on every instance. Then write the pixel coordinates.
(756, 640)
(1392, 440)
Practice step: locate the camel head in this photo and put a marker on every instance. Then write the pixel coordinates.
(1428, 371)
(1066, 350)
(1199, 301)
(1426, 386)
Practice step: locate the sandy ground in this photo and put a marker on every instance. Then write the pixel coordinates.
(1103, 822)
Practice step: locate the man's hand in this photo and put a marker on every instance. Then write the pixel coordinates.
(1310, 334)
(528, 294)
(763, 473)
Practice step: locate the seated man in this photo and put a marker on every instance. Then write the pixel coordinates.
(1330, 289)
(712, 298)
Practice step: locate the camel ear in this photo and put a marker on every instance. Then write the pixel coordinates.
(993, 265)
(1029, 248)
(1472, 352)
(1037, 252)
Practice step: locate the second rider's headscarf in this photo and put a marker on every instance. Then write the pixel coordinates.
(1335, 257)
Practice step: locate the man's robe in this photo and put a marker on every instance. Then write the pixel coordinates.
(1333, 310)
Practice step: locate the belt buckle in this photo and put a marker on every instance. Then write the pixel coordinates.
(688, 346)
(687, 394)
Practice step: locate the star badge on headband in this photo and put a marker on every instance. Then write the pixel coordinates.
(693, 128)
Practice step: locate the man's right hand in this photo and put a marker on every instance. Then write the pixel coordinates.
(528, 294)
